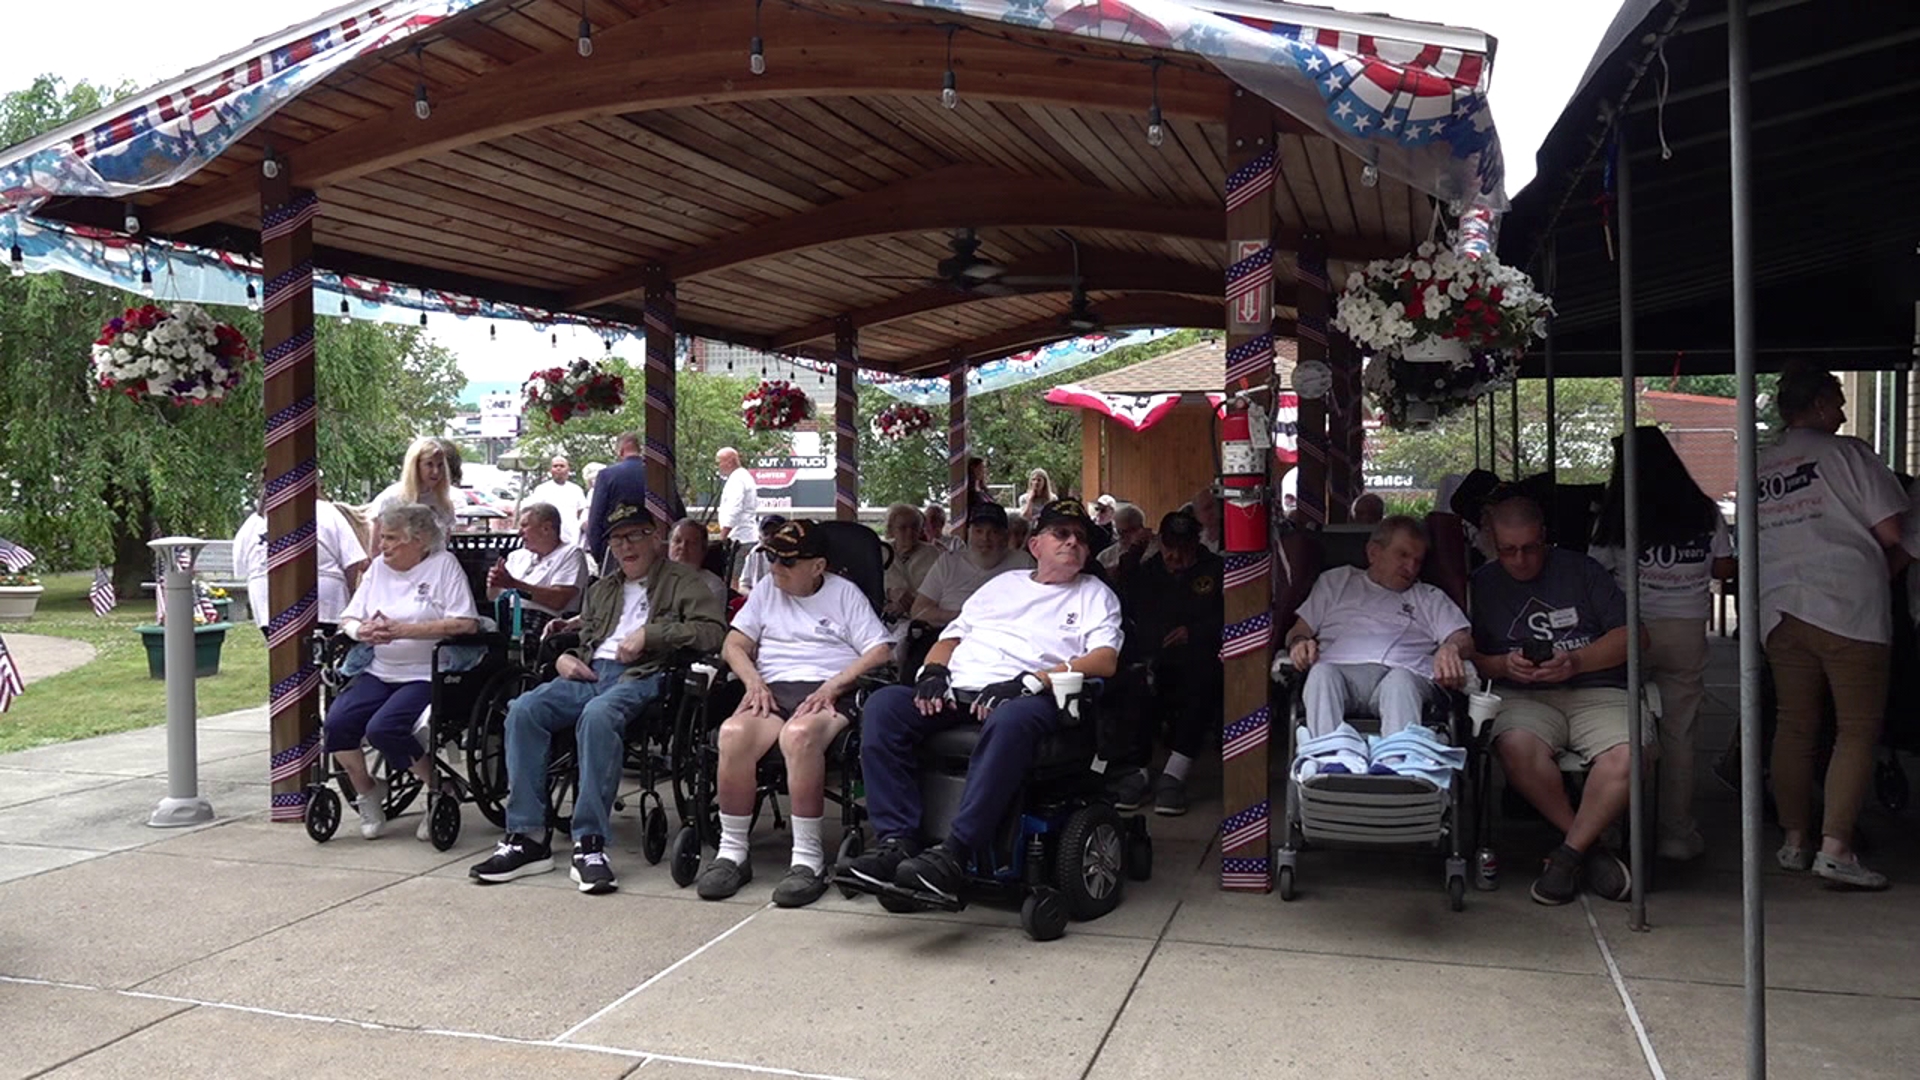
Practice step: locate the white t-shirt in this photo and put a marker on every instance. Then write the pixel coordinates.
(337, 546)
(393, 496)
(436, 588)
(908, 572)
(566, 498)
(1820, 496)
(1675, 579)
(1015, 624)
(809, 638)
(635, 607)
(1360, 621)
(954, 578)
(740, 507)
(564, 565)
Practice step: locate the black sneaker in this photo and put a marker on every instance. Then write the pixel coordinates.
(722, 878)
(1559, 880)
(877, 867)
(937, 870)
(1131, 789)
(591, 870)
(801, 886)
(1169, 796)
(517, 856)
(1608, 877)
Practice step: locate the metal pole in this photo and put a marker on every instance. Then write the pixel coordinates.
(1478, 461)
(1630, 470)
(1747, 524)
(183, 804)
(1514, 417)
(1553, 433)
(1900, 393)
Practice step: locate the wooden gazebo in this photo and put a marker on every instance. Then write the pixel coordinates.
(796, 177)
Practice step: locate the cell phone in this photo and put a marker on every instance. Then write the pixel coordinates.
(1536, 651)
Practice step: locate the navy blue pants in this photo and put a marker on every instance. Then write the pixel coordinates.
(383, 714)
(892, 728)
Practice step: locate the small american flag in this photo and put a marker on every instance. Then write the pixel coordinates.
(14, 557)
(203, 605)
(10, 685)
(101, 594)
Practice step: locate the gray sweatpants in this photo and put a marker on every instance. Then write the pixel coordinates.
(1395, 695)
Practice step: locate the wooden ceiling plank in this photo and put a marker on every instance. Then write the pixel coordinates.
(865, 125)
(593, 171)
(767, 145)
(671, 138)
(400, 250)
(1324, 160)
(504, 260)
(665, 164)
(833, 136)
(1297, 174)
(471, 212)
(1396, 220)
(632, 229)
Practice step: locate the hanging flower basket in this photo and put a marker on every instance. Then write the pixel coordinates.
(575, 390)
(184, 356)
(900, 421)
(774, 405)
(1411, 395)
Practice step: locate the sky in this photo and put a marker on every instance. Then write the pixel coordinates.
(1544, 46)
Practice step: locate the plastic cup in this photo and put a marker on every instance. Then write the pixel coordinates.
(1482, 706)
(1065, 685)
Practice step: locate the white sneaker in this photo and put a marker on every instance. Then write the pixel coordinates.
(1847, 874)
(424, 831)
(372, 807)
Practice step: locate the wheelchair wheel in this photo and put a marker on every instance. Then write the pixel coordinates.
(563, 786)
(1089, 861)
(684, 857)
(654, 842)
(443, 822)
(1457, 893)
(851, 847)
(1043, 914)
(1287, 891)
(487, 745)
(1890, 784)
(323, 813)
(1139, 850)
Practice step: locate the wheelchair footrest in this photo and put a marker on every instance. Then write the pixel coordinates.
(920, 899)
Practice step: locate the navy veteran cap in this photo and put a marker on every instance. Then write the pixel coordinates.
(1064, 512)
(799, 539)
(628, 513)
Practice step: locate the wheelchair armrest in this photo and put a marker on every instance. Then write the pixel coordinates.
(483, 638)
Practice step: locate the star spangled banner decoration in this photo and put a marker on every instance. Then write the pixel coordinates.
(11, 685)
(101, 595)
(14, 557)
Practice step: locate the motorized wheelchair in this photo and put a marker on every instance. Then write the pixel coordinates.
(854, 552)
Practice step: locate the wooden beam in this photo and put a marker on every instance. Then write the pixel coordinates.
(1124, 312)
(691, 54)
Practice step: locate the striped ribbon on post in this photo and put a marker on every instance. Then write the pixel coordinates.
(846, 474)
(1310, 274)
(659, 316)
(957, 440)
(292, 486)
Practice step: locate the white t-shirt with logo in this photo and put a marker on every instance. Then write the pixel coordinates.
(1820, 497)
(1360, 621)
(564, 565)
(1014, 624)
(954, 578)
(337, 546)
(809, 638)
(1675, 579)
(436, 588)
(566, 498)
(635, 608)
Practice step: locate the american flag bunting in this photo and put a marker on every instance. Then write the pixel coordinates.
(101, 595)
(14, 557)
(10, 684)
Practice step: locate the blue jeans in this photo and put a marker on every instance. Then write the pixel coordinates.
(383, 714)
(892, 728)
(598, 713)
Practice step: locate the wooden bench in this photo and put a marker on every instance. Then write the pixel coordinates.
(214, 569)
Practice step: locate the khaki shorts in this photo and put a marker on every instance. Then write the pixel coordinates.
(1585, 721)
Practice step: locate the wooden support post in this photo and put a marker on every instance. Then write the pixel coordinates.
(1310, 273)
(1247, 642)
(659, 318)
(1347, 480)
(292, 485)
(846, 473)
(957, 442)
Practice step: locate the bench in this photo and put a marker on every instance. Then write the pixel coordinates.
(214, 569)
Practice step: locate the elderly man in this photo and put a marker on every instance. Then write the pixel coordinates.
(912, 558)
(548, 572)
(634, 621)
(1380, 638)
(1549, 626)
(739, 508)
(799, 646)
(958, 574)
(935, 531)
(560, 492)
(1133, 543)
(688, 547)
(993, 664)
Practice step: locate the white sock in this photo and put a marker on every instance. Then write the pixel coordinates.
(806, 844)
(1177, 765)
(733, 837)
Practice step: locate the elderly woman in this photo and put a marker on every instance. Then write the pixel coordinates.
(912, 557)
(413, 595)
(426, 479)
(1830, 534)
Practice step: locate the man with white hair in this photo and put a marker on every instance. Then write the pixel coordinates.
(560, 492)
(739, 508)
(1130, 536)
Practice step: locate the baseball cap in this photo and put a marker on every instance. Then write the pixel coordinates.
(798, 539)
(1180, 525)
(1107, 501)
(628, 513)
(986, 513)
(1064, 512)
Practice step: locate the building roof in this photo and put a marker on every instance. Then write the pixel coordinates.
(1196, 369)
(1704, 432)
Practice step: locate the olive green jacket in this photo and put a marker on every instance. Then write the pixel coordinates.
(683, 613)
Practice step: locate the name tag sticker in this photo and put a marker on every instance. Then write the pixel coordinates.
(1563, 618)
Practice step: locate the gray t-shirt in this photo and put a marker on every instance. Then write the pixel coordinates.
(1573, 603)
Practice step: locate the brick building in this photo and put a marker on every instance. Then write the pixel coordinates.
(1704, 433)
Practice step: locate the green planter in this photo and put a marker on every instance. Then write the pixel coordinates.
(222, 608)
(207, 642)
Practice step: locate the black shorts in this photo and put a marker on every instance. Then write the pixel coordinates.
(787, 697)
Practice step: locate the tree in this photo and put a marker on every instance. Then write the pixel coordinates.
(1587, 417)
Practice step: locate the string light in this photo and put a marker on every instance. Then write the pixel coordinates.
(423, 318)
(1156, 127)
(1370, 175)
(132, 221)
(586, 31)
(421, 108)
(556, 339)
(18, 259)
(949, 86)
(270, 164)
(757, 50)
(253, 297)
(493, 332)
(146, 281)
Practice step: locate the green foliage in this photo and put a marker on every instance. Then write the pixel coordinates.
(1587, 418)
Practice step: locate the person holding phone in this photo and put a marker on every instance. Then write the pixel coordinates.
(1550, 628)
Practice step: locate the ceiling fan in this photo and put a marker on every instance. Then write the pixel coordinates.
(969, 271)
(1080, 317)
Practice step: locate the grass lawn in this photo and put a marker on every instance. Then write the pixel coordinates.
(113, 693)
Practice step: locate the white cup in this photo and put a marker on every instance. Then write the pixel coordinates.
(1065, 685)
(1482, 706)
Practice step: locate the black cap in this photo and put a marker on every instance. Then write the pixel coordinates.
(1064, 512)
(1180, 525)
(986, 513)
(770, 523)
(796, 540)
(628, 513)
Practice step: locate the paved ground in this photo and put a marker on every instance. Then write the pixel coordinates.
(243, 949)
(41, 656)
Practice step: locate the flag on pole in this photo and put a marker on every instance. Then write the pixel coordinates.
(203, 605)
(10, 685)
(101, 594)
(14, 557)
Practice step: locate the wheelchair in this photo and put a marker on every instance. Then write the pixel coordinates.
(854, 552)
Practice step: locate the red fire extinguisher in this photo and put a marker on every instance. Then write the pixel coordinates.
(1243, 478)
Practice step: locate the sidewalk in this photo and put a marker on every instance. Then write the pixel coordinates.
(244, 949)
(40, 656)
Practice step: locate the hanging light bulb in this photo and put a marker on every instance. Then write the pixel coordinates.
(146, 282)
(346, 311)
(950, 86)
(493, 332)
(1370, 175)
(757, 50)
(421, 108)
(132, 221)
(556, 339)
(1156, 126)
(253, 297)
(269, 167)
(423, 318)
(18, 260)
(586, 31)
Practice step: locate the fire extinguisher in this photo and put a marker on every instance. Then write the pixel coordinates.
(1243, 478)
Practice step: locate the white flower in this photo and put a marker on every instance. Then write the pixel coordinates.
(1425, 250)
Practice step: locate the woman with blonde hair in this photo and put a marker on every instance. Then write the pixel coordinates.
(1038, 494)
(426, 478)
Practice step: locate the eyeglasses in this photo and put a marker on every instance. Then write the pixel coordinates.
(631, 538)
(1064, 533)
(788, 561)
(1510, 551)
